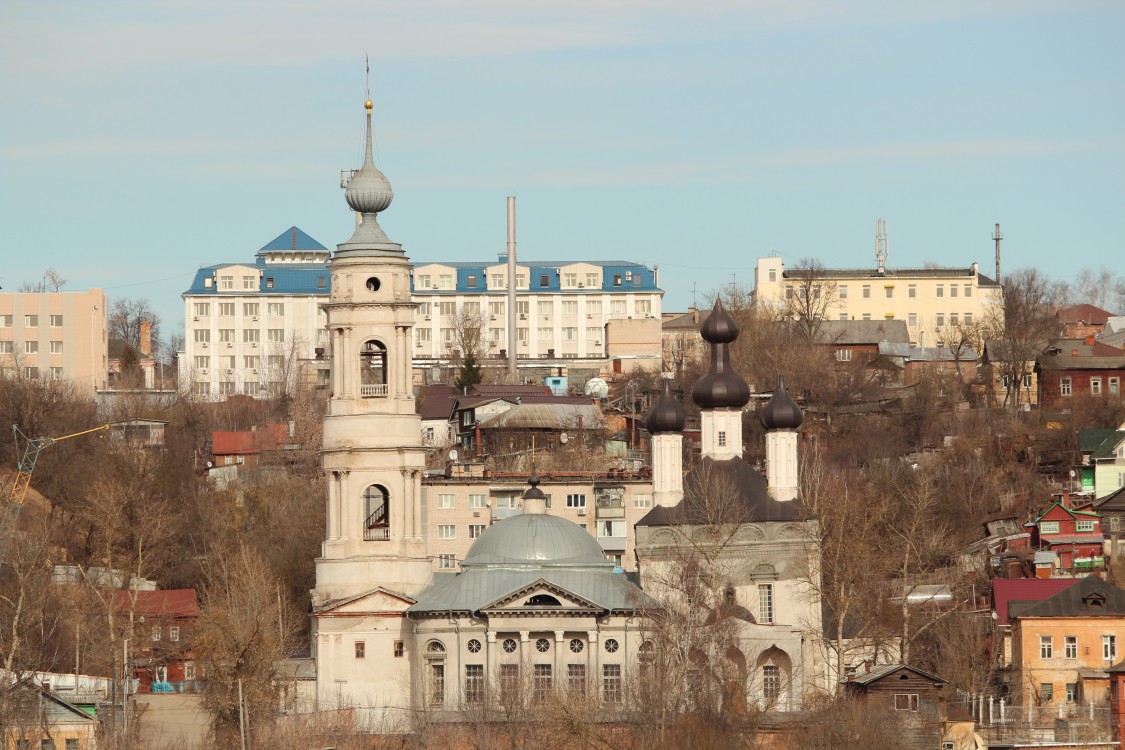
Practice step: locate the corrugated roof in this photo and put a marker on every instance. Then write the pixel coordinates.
(1005, 590)
(1075, 601)
(166, 603)
(886, 670)
(270, 437)
(1114, 501)
(1084, 313)
(545, 417)
(863, 332)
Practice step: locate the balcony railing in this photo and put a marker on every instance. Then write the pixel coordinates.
(378, 390)
(377, 534)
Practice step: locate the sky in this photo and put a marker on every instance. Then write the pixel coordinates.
(141, 140)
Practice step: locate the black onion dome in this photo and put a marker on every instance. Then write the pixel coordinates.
(718, 327)
(667, 413)
(533, 492)
(721, 387)
(781, 412)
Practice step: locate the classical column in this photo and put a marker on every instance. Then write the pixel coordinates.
(560, 666)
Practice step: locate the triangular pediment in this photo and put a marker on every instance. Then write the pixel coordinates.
(376, 601)
(541, 597)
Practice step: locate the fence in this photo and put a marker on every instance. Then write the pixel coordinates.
(1072, 723)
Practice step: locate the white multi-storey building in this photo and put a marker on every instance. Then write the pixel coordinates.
(562, 307)
(247, 325)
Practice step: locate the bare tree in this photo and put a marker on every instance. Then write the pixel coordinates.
(810, 295)
(52, 281)
(1021, 326)
(125, 319)
(243, 630)
(850, 563)
(469, 345)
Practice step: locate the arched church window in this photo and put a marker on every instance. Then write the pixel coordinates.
(435, 647)
(373, 370)
(376, 513)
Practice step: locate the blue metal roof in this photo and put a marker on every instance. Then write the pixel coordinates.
(617, 276)
(292, 239)
(290, 278)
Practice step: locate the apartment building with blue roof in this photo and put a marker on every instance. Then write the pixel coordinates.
(248, 325)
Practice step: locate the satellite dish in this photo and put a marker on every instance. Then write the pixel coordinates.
(209, 464)
(563, 438)
(597, 388)
(453, 454)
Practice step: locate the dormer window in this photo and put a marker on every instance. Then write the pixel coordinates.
(1094, 601)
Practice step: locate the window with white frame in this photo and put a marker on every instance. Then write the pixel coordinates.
(1114, 386)
(476, 530)
(867, 291)
(56, 347)
(56, 321)
(545, 307)
(1048, 527)
(226, 309)
(1095, 386)
(1109, 647)
(174, 634)
(906, 701)
(593, 279)
(643, 307)
(1070, 647)
(476, 501)
(496, 308)
(594, 307)
(570, 307)
(843, 355)
(1086, 524)
(912, 291)
(276, 309)
(940, 290)
(765, 604)
(1064, 386)
(842, 291)
(445, 501)
(447, 531)
(642, 500)
(446, 562)
(617, 307)
(576, 501)
(1046, 646)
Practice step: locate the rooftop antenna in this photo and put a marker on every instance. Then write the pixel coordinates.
(996, 236)
(881, 245)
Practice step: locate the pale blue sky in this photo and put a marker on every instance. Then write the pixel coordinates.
(140, 140)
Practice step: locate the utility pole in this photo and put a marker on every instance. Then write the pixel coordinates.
(996, 236)
(241, 717)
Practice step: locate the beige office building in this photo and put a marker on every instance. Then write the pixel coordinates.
(59, 335)
(932, 301)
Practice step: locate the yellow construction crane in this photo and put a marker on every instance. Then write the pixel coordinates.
(28, 457)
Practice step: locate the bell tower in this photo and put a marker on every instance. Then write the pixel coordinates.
(372, 455)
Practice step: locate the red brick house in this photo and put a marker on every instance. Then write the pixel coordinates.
(1074, 535)
(164, 623)
(1079, 366)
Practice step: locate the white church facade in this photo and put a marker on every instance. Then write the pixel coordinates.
(535, 605)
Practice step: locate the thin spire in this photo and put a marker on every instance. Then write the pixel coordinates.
(368, 159)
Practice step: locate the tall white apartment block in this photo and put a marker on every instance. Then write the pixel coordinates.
(247, 325)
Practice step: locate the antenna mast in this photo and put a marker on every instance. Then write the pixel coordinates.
(881, 245)
(996, 236)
